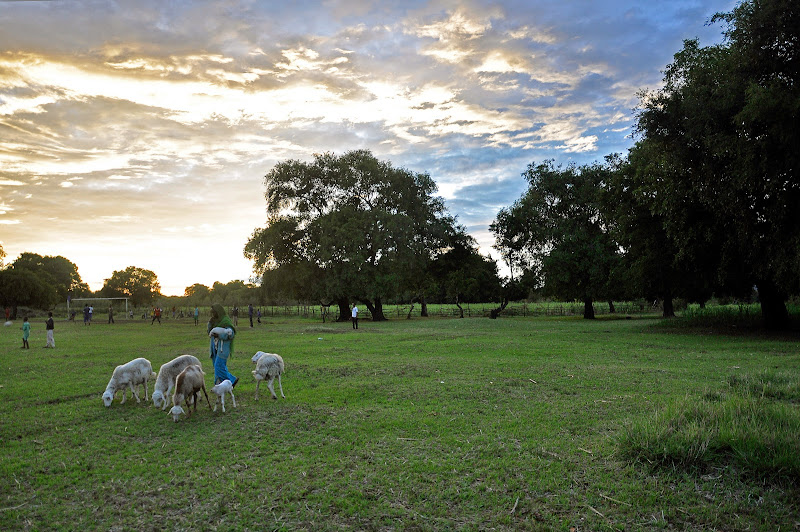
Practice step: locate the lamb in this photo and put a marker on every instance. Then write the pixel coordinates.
(187, 384)
(268, 366)
(221, 389)
(165, 382)
(130, 375)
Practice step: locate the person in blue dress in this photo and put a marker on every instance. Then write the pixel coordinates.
(221, 332)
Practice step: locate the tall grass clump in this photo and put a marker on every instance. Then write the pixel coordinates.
(752, 425)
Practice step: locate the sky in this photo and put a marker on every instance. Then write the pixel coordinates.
(138, 133)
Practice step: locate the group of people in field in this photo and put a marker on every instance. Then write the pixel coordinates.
(49, 327)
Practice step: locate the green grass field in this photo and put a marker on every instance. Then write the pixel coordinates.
(423, 424)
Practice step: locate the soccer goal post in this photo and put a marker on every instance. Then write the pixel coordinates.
(112, 299)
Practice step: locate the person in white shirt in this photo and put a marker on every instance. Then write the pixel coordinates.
(355, 317)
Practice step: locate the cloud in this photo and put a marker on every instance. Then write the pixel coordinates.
(172, 113)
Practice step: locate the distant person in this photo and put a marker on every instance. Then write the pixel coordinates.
(8, 314)
(26, 331)
(250, 313)
(72, 315)
(173, 312)
(196, 315)
(86, 315)
(354, 316)
(221, 331)
(235, 315)
(156, 316)
(259, 315)
(110, 314)
(91, 314)
(50, 326)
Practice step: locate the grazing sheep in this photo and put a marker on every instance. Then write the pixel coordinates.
(187, 384)
(165, 382)
(221, 389)
(130, 375)
(268, 366)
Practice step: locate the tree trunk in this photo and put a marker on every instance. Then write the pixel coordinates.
(669, 307)
(496, 312)
(424, 307)
(344, 309)
(588, 309)
(410, 310)
(460, 308)
(611, 309)
(376, 309)
(773, 306)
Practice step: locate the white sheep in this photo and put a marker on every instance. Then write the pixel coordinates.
(129, 376)
(268, 366)
(165, 382)
(221, 389)
(187, 384)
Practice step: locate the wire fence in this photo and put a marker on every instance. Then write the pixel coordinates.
(470, 310)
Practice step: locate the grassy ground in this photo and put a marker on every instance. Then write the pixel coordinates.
(439, 424)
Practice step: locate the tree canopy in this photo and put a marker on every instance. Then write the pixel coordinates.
(717, 156)
(558, 228)
(138, 284)
(64, 273)
(349, 228)
(705, 200)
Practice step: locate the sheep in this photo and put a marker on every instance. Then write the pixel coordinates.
(130, 375)
(187, 384)
(221, 389)
(165, 382)
(268, 366)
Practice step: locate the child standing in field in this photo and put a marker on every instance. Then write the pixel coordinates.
(221, 331)
(26, 331)
(50, 326)
(196, 315)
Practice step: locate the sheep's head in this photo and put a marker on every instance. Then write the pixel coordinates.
(158, 399)
(176, 412)
(108, 398)
(258, 355)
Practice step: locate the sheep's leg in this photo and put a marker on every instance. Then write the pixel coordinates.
(222, 398)
(234, 399)
(280, 385)
(207, 401)
(258, 383)
(271, 387)
(145, 390)
(135, 392)
(217, 402)
(188, 408)
(124, 391)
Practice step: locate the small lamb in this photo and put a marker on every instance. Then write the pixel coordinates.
(130, 375)
(268, 366)
(221, 389)
(187, 384)
(165, 382)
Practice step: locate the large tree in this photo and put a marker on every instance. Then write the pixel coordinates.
(558, 225)
(351, 225)
(138, 284)
(725, 128)
(63, 273)
(23, 287)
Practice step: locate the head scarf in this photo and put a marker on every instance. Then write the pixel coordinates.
(222, 320)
